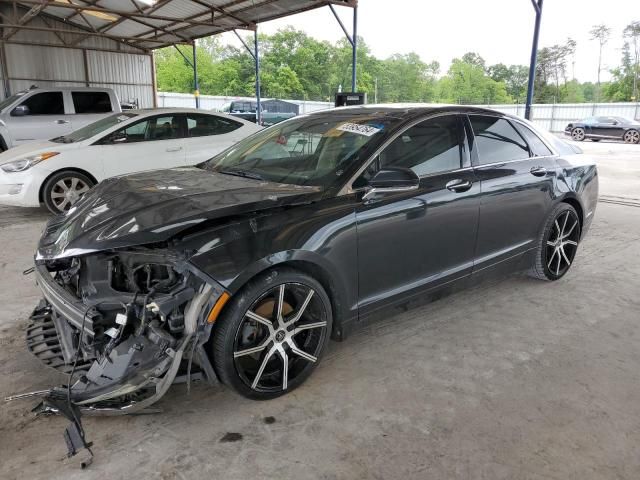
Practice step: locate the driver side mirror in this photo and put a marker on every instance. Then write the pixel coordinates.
(20, 111)
(392, 179)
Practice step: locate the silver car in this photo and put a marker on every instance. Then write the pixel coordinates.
(44, 113)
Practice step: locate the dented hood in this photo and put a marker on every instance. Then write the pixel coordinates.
(153, 206)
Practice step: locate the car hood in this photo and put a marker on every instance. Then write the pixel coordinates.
(33, 148)
(153, 206)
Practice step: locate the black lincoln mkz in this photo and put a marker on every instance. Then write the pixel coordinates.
(244, 267)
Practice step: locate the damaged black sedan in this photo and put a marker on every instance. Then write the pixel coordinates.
(242, 268)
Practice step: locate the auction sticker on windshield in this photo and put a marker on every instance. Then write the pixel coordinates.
(366, 130)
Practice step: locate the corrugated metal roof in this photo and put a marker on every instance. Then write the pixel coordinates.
(151, 24)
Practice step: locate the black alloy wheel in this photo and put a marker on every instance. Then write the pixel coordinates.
(272, 334)
(558, 243)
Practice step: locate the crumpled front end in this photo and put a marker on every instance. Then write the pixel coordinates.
(123, 324)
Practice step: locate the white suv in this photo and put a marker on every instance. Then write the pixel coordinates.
(44, 113)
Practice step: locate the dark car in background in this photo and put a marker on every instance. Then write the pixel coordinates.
(244, 267)
(598, 128)
(272, 111)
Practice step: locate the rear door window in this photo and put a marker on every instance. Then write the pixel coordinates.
(497, 140)
(165, 127)
(205, 125)
(536, 145)
(91, 102)
(45, 103)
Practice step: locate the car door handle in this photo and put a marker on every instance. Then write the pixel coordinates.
(538, 171)
(62, 122)
(459, 185)
(174, 149)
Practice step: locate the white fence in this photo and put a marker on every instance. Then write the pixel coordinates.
(213, 102)
(552, 117)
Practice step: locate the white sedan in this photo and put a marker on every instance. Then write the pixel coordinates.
(57, 172)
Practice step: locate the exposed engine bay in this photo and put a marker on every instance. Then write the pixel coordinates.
(124, 326)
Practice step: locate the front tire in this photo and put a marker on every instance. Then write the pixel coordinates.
(272, 334)
(557, 244)
(631, 136)
(65, 188)
(577, 134)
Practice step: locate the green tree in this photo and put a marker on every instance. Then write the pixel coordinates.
(515, 78)
(601, 33)
(632, 34)
(406, 78)
(295, 65)
(467, 83)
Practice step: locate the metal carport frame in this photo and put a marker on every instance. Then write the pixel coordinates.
(146, 25)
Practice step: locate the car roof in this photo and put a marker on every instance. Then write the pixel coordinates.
(170, 110)
(405, 111)
(67, 89)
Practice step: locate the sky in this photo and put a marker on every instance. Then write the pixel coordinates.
(499, 30)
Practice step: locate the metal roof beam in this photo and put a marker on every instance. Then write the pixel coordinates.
(90, 34)
(26, 18)
(224, 15)
(122, 19)
(213, 8)
(129, 15)
(251, 52)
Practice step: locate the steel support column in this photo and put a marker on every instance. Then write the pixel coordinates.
(354, 49)
(196, 84)
(256, 57)
(353, 40)
(537, 5)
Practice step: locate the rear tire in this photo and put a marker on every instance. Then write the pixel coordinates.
(65, 188)
(272, 334)
(557, 244)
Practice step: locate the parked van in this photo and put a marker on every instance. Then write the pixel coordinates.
(45, 113)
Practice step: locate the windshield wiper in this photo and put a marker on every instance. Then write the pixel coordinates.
(240, 173)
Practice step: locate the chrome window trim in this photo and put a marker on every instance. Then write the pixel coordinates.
(348, 186)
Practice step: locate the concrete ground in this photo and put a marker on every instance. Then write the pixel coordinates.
(517, 379)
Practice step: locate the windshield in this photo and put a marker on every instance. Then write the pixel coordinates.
(8, 101)
(312, 150)
(94, 128)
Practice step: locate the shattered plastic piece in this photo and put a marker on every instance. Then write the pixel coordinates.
(112, 332)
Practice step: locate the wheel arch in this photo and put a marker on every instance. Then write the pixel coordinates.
(575, 203)
(69, 169)
(311, 264)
